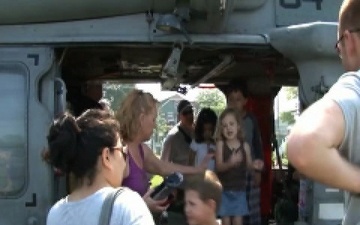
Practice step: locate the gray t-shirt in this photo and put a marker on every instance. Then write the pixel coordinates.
(129, 209)
(179, 145)
(346, 92)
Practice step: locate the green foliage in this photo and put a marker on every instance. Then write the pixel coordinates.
(161, 126)
(284, 159)
(287, 117)
(115, 93)
(291, 92)
(212, 98)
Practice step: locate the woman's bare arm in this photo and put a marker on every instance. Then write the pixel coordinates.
(154, 165)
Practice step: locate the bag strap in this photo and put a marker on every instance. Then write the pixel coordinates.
(188, 139)
(107, 206)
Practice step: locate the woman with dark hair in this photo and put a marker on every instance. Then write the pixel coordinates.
(89, 147)
(204, 142)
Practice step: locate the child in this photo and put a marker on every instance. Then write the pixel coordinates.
(237, 94)
(233, 160)
(204, 142)
(202, 199)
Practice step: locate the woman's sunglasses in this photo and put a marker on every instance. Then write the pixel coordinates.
(122, 150)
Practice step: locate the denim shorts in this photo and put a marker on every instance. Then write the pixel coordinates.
(233, 203)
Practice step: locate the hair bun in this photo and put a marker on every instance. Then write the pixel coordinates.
(62, 141)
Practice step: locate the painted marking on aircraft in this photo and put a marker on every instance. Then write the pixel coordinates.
(294, 4)
(33, 202)
(35, 57)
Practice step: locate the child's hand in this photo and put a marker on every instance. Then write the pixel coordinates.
(206, 160)
(258, 164)
(236, 158)
(211, 149)
(155, 205)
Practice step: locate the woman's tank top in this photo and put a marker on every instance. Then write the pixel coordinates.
(137, 179)
(234, 179)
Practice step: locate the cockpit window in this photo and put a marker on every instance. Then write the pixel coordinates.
(13, 104)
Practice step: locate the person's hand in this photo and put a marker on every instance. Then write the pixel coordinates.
(258, 164)
(155, 205)
(236, 158)
(204, 163)
(211, 149)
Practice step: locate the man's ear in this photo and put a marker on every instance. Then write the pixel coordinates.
(105, 158)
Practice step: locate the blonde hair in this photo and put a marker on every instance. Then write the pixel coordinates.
(349, 16)
(135, 103)
(219, 129)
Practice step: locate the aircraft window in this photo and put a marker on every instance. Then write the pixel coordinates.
(12, 133)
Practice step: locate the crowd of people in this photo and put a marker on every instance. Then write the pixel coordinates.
(86, 148)
(221, 157)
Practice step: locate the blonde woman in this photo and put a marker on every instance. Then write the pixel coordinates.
(137, 116)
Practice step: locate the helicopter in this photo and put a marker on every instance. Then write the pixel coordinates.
(54, 52)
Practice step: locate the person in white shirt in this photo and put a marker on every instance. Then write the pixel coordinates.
(89, 148)
(204, 142)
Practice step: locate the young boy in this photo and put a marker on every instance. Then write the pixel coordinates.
(202, 199)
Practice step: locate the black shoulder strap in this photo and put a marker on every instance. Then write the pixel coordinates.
(188, 139)
(107, 206)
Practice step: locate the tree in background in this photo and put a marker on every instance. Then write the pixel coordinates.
(115, 93)
(212, 98)
(289, 116)
(291, 92)
(286, 119)
(160, 131)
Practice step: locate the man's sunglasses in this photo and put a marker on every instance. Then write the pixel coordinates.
(342, 37)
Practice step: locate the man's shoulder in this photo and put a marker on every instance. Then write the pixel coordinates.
(249, 115)
(348, 82)
(348, 78)
(174, 131)
(249, 119)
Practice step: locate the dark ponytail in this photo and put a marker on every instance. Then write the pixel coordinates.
(75, 144)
